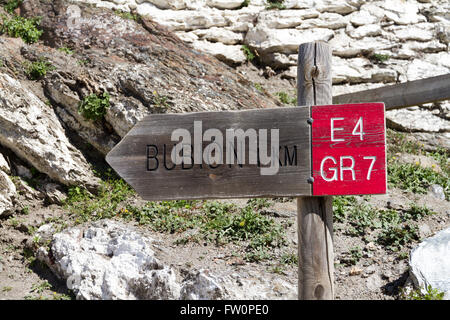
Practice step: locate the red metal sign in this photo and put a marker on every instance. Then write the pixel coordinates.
(349, 149)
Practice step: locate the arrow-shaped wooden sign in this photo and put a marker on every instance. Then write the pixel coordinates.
(319, 150)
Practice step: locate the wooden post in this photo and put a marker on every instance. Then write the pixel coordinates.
(315, 214)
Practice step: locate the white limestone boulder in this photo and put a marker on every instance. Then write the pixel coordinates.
(183, 20)
(430, 263)
(7, 193)
(225, 4)
(32, 131)
(416, 120)
(219, 35)
(108, 261)
(283, 19)
(230, 54)
(4, 166)
(286, 41)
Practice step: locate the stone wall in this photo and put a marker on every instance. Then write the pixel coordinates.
(374, 42)
(414, 34)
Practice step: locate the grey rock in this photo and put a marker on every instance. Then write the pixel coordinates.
(54, 194)
(437, 191)
(430, 263)
(424, 230)
(7, 193)
(374, 282)
(201, 286)
(419, 120)
(32, 131)
(23, 172)
(107, 260)
(4, 166)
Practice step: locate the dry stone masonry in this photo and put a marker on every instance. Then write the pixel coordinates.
(374, 42)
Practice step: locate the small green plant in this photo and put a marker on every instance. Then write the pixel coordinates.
(249, 55)
(431, 294)
(259, 203)
(258, 87)
(341, 205)
(214, 221)
(12, 5)
(127, 15)
(38, 69)
(275, 4)
(415, 178)
(398, 142)
(160, 101)
(244, 3)
(58, 296)
(25, 210)
(354, 255)
(66, 50)
(82, 62)
(403, 255)
(94, 106)
(286, 99)
(40, 287)
(19, 27)
(395, 236)
(86, 206)
(380, 57)
(416, 212)
(289, 259)
(6, 289)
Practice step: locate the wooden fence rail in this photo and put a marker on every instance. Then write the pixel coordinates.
(411, 93)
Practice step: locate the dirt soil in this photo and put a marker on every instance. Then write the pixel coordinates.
(378, 274)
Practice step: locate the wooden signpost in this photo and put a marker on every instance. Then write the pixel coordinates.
(345, 143)
(310, 152)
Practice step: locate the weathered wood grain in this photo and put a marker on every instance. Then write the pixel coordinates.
(314, 214)
(357, 140)
(411, 93)
(129, 158)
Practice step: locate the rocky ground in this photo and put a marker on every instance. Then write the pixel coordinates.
(53, 176)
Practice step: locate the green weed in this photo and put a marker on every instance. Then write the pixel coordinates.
(160, 101)
(6, 289)
(341, 205)
(396, 236)
(19, 27)
(353, 256)
(215, 222)
(275, 4)
(249, 55)
(127, 15)
(398, 142)
(86, 206)
(40, 287)
(38, 69)
(258, 87)
(165, 216)
(286, 99)
(380, 57)
(431, 294)
(416, 212)
(415, 178)
(12, 5)
(66, 50)
(289, 259)
(245, 3)
(94, 106)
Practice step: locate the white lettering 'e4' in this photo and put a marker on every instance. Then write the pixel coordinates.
(333, 129)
